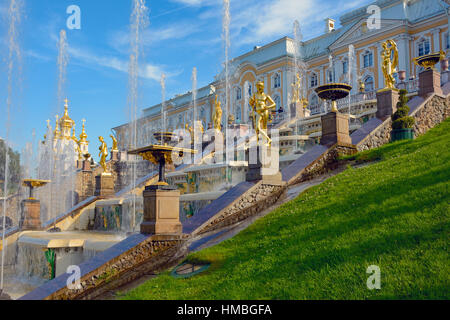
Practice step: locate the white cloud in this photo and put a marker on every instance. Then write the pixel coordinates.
(189, 2)
(275, 18)
(147, 71)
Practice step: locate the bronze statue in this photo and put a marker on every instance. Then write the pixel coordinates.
(261, 105)
(217, 116)
(389, 62)
(103, 153)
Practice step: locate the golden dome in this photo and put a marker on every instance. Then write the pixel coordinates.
(65, 121)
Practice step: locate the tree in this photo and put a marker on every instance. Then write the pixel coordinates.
(14, 168)
(400, 119)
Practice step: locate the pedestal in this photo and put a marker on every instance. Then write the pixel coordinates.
(429, 82)
(257, 172)
(104, 185)
(335, 129)
(298, 111)
(386, 102)
(114, 155)
(86, 166)
(161, 212)
(31, 214)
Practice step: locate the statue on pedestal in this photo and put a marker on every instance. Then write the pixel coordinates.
(114, 146)
(261, 105)
(389, 62)
(217, 116)
(103, 153)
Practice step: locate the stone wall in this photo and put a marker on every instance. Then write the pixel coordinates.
(432, 112)
(325, 163)
(149, 256)
(377, 137)
(251, 203)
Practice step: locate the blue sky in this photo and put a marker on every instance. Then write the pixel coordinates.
(182, 34)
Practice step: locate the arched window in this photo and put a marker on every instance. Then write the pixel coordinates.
(313, 80)
(250, 91)
(330, 76)
(368, 83)
(238, 93)
(423, 47)
(368, 59)
(314, 106)
(277, 81)
(277, 100)
(345, 66)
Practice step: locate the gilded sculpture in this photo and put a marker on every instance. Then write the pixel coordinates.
(114, 146)
(389, 62)
(103, 153)
(217, 116)
(261, 105)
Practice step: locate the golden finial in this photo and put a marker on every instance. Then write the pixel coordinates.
(83, 135)
(48, 123)
(56, 133)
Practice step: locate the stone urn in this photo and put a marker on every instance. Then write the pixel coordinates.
(402, 75)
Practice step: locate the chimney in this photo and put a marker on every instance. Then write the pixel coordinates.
(329, 25)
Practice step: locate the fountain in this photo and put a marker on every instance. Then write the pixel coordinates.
(161, 201)
(428, 61)
(333, 92)
(32, 184)
(14, 59)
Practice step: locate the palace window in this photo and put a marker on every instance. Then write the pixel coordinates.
(344, 66)
(330, 76)
(277, 100)
(238, 93)
(277, 81)
(368, 83)
(249, 89)
(447, 41)
(313, 80)
(314, 104)
(368, 59)
(423, 47)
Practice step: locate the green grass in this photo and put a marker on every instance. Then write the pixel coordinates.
(393, 214)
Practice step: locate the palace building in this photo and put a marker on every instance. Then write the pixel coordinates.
(418, 27)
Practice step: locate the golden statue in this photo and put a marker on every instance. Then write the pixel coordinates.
(261, 105)
(190, 130)
(296, 89)
(389, 62)
(217, 116)
(114, 146)
(103, 153)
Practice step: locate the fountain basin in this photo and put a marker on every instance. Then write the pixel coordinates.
(429, 60)
(333, 92)
(165, 137)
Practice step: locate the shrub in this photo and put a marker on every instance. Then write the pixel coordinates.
(400, 119)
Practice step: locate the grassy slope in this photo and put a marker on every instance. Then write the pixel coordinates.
(394, 214)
